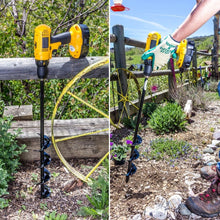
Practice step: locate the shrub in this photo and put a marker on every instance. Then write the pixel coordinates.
(3, 182)
(55, 216)
(99, 199)
(2, 105)
(196, 94)
(129, 122)
(168, 118)
(9, 157)
(164, 148)
(213, 86)
(9, 148)
(149, 108)
(119, 152)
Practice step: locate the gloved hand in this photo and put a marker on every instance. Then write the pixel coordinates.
(161, 53)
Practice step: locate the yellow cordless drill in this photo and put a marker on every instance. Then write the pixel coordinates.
(185, 52)
(44, 44)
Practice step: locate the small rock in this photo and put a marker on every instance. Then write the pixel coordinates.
(174, 201)
(213, 147)
(68, 185)
(216, 143)
(211, 163)
(196, 164)
(194, 216)
(216, 135)
(161, 202)
(183, 210)
(72, 185)
(208, 151)
(207, 158)
(122, 218)
(159, 214)
(137, 217)
(208, 172)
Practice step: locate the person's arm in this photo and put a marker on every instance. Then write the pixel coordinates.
(203, 11)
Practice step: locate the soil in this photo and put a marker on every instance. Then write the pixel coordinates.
(157, 178)
(68, 193)
(152, 178)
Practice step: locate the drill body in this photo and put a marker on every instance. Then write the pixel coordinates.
(185, 52)
(153, 39)
(44, 45)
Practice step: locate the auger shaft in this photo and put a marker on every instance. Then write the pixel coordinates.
(42, 135)
(147, 72)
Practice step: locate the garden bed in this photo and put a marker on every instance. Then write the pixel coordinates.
(67, 193)
(158, 178)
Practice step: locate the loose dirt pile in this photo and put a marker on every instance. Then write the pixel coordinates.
(67, 193)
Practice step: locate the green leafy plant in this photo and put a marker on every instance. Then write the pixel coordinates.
(43, 206)
(2, 105)
(119, 152)
(4, 203)
(34, 177)
(54, 174)
(10, 149)
(99, 198)
(168, 149)
(9, 157)
(149, 108)
(129, 122)
(168, 118)
(55, 216)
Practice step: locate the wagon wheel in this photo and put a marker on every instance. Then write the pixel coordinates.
(68, 94)
(132, 95)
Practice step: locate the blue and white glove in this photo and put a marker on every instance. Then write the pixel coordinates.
(162, 53)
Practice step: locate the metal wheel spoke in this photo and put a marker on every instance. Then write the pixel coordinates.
(80, 135)
(132, 90)
(55, 141)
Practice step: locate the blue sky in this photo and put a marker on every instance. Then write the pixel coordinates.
(163, 16)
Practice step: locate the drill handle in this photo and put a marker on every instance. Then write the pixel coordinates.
(58, 40)
(147, 67)
(63, 38)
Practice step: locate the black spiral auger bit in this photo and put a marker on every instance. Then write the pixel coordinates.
(153, 40)
(45, 142)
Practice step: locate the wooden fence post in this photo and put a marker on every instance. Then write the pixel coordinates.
(215, 71)
(120, 62)
(171, 82)
(194, 65)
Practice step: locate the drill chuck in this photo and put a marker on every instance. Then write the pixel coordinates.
(147, 67)
(42, 70)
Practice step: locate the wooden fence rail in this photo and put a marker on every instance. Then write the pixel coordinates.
(90, 146)
(139, 74)
(59, 68)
